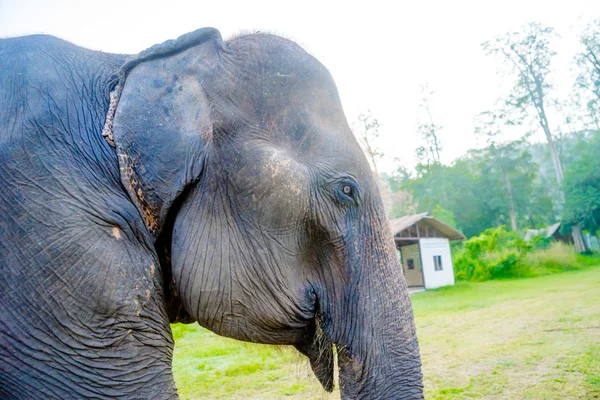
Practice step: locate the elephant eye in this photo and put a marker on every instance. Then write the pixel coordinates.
(347, 192)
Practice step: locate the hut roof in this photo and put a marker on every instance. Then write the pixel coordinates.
(552, 230)
(400, 224)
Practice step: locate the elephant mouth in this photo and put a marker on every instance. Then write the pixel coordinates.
(320, 351)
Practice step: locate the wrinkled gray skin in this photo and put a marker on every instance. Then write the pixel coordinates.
(236, 197)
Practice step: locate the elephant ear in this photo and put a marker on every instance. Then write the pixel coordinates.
(162, 126)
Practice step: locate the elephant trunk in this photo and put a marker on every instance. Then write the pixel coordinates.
(373, 328)
(381, 360)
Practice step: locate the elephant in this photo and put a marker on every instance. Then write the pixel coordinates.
(203, 181)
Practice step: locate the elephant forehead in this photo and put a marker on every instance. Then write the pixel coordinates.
(277, 163)
(270, 187)
(264, 166)
(263, 74)
(271, 57)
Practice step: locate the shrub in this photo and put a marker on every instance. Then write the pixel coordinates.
(496, 253)
(500, 254)
(556, 258)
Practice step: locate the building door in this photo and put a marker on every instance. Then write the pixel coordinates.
(411, 265)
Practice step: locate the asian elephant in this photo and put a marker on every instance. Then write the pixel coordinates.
(200, 180)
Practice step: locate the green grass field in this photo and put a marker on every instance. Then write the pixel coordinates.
(535, 338)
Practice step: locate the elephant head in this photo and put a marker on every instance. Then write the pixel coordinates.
(239, 157)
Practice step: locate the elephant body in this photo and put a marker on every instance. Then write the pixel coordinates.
(235, 196)
(82, 293)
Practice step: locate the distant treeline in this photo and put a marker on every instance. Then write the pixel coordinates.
(518, 184)
(511, 184)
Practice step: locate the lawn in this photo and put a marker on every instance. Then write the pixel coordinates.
(535, 338)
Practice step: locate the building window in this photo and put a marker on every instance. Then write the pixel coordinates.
(437, 263)
(410, 263)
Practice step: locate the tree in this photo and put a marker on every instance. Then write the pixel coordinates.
(399, 201)
(588, 61)
(507, 169)
(444, 215)
(428, 153)
(398, 177)
(511, 165)
(463, 197)
(488, 126)
(496, 185)
(581, 115)
(367, 135)
(528, 54)
(582, 185)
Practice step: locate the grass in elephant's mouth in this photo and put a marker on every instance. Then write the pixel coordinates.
(533, 338)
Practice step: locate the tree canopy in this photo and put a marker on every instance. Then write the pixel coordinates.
(516, 183)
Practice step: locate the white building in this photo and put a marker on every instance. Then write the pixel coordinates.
(424, 246)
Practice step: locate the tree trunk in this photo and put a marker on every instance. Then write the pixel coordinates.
(580, 245)
(511, 202)
(437, 147)
(554, 155)
(576, 230)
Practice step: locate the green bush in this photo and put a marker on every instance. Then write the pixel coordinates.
(500, 254)
(494, 254)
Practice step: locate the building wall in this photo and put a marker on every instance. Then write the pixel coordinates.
(431, 247)
(414, 277)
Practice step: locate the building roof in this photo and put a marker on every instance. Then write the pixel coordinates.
(400, 224)
(546, 232)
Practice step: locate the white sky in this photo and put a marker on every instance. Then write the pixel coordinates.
(379, 52)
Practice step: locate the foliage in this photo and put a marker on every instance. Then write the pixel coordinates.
(367, 134)
(454, 188)
(400, 203)
(475, 189)
(508, 169)
(557, 257)
(518, 184)
(428, 131)
(527, 53)
(396, 179)
(500, 254)
(495, 253)
(588, 62)
(582, 185)
(443, 215)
